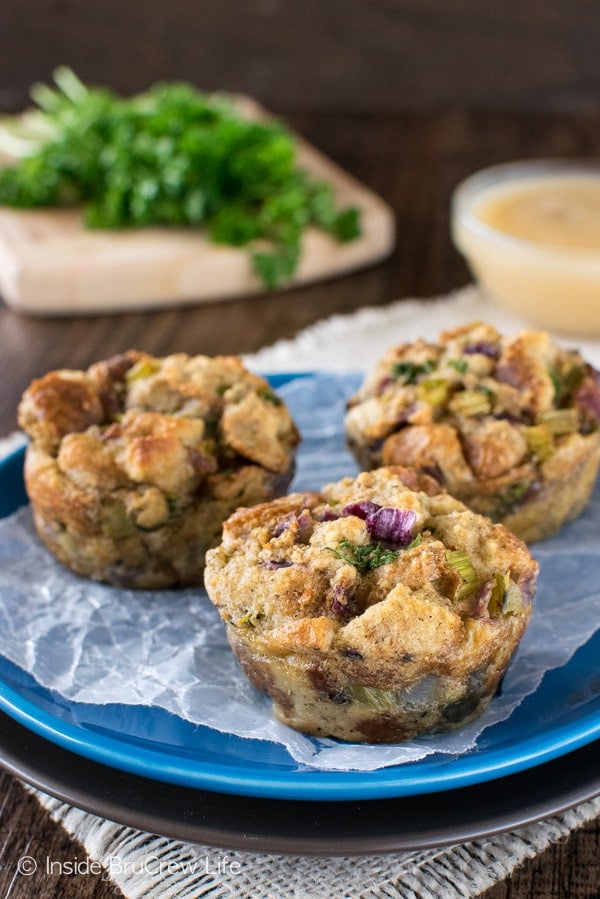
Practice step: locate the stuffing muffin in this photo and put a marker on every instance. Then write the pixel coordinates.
(134, 464)
(509, 425)
(376, 610)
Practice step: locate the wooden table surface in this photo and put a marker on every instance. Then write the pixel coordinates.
(413, 160)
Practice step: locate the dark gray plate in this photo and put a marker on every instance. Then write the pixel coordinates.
(300, 827)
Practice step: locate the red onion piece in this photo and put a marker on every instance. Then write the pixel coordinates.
(587, 398)
(484, 348)
(327, 515)
(343, 602)
(301, 520)
(392, 525)
(361, 509)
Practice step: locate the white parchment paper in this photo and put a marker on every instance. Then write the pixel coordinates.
(98, 644)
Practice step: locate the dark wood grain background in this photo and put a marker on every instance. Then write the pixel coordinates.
(359, 55)
(409, 97)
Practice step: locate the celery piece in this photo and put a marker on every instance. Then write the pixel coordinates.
(143, 368)
(247, 620)
(513, 599)
(373, 697)
(461, 562)
(496, 600)
(434, 391)
(506, 597)
(115, 522)
(539, 440)
(471, 403)
(560, 421)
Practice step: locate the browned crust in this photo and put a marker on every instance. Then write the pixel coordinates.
(131, 472)
(487, 459)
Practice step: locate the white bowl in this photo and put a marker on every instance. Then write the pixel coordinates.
(551, 282)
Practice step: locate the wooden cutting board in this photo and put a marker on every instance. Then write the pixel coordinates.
(50, 263)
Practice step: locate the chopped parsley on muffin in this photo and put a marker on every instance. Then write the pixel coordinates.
(375, 610)
(134, 464)
(509, 425)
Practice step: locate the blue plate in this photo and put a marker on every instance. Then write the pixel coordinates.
(562, 715)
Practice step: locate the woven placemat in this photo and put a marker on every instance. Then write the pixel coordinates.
(152, 867)
(143, 865)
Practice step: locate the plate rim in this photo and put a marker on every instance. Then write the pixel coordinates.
(310, 783)
(101, 782)
(381, 783)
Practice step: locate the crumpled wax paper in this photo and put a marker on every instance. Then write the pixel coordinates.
(98, 644)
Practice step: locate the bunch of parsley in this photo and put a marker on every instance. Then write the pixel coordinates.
(173, 157)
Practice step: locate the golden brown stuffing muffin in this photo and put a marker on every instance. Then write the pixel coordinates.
(134, 464)
(375, 610)
(510, 425)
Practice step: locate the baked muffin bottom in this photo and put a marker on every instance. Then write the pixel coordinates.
(312, 698)
(377, 655)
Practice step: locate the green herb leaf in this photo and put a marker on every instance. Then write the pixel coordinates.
(273, 268)
(461, 365)
(511, 498)
(556, 383)
(270, 397)
(486, 391)
(409, 372)
(346, 225)
(173, 157)
(365, 557)
(565, 380)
